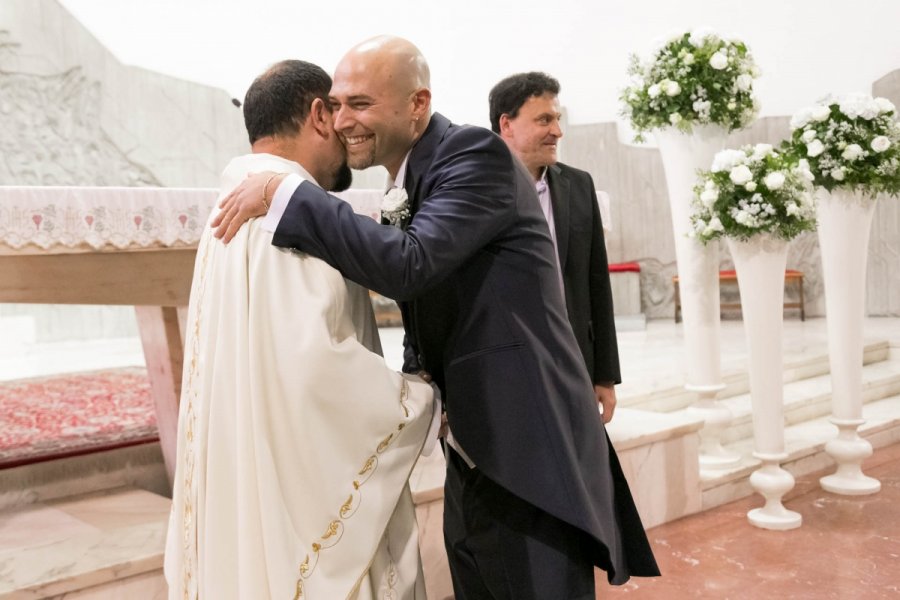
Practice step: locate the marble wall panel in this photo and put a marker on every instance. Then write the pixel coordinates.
(72, 114)
(883, 274)
(92, 112)
(91, 119)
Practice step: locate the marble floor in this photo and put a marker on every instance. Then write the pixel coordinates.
(651, 359)
(848, 548)
(80, 547)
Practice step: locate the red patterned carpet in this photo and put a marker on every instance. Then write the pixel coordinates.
(67, 415)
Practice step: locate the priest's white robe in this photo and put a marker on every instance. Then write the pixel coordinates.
(295, 441)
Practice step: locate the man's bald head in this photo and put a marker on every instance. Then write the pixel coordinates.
(382, 101)
(394, 57)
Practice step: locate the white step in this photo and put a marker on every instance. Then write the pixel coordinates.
(805, 446)
(811, 398)
(670, 394)
(106, 545)
(138, 466)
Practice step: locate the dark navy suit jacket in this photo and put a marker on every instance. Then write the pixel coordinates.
(585, 269)
(475, 273)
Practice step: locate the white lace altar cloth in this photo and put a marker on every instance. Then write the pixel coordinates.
(55, 219)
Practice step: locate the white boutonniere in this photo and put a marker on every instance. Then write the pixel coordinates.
(395, 206)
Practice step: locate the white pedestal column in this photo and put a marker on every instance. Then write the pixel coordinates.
(698, 273)
(845, 219)
(760, 265)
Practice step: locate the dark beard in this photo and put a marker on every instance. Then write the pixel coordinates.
(342, 179)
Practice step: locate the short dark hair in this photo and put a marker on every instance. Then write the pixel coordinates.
(508, 96)
(278, 101)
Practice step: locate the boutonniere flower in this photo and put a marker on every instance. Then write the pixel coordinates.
(395, 206)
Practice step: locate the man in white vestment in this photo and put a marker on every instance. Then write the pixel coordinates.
(295, 440)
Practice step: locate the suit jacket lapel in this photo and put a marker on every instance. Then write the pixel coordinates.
(420, 160)
(421, 156)
(559, 201)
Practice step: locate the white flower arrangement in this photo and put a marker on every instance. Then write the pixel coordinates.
(395, 207)
(851, 142)
(753, 190)
(693, 78)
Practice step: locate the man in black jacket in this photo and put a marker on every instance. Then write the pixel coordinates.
(535, 495)
(524, 111)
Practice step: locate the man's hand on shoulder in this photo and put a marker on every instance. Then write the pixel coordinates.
(250, 199)
(606, 396)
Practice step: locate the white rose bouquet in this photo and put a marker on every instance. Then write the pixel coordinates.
(852, 142)
(693, 78)
(753, 190)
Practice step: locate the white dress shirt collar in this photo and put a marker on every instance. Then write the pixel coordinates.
(401, 175)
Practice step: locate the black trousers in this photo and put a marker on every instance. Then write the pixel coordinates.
(502, 548)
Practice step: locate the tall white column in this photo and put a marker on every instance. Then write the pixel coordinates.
(845, 219)
(760, 264)
(698, 273)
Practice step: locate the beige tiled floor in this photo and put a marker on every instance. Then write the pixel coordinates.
(847, 548)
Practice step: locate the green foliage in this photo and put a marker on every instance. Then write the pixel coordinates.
(851, 142)
(694, 78)
(753, 190)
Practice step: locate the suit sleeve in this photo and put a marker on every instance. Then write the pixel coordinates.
(410, 357)
(606, 348)
(472, 199)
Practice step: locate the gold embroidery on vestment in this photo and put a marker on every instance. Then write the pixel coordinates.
(335, 528)
(189, 524)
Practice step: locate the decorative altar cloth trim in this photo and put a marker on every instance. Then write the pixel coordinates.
(102, 217)
(105, 218)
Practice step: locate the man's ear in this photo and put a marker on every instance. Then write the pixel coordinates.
(320, 118)
(421, 103)
(505, 126)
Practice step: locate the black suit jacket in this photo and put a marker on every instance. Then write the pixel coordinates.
(585, 269)
(482, 308)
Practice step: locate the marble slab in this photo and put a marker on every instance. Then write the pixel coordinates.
(653, 362)
(631, 427)
(811, 398)
(135, 466)
(664, 477)
(149, 586)
(57, 548)
(805, 446)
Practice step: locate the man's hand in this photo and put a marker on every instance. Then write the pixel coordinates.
(245, 202)
(606, 396)
(445, 426)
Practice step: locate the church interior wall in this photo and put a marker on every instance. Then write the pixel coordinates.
(72, 114)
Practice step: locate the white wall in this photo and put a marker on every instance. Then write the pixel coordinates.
(806, 48)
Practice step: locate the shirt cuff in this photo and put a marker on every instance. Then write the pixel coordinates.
(452, 443)
(283, 194)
